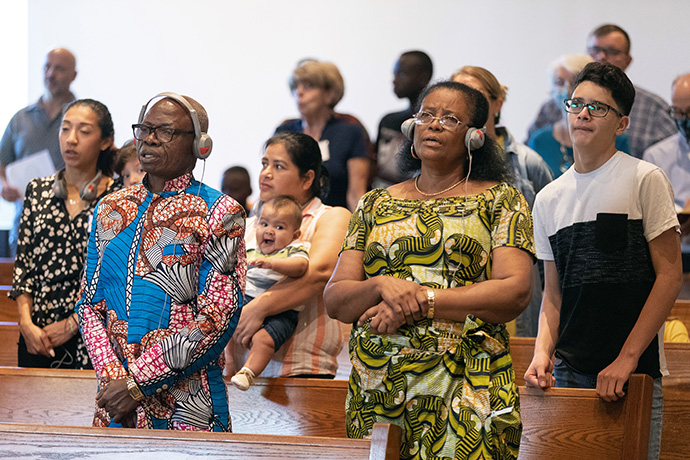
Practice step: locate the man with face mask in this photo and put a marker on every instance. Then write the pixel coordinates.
(553, 141)
(649, 120)
(673, 156)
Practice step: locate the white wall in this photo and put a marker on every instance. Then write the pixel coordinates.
(235, 56)
(13, 75)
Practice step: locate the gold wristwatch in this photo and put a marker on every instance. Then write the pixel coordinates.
(133, 389)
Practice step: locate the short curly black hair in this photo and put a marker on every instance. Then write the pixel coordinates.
(612, 78)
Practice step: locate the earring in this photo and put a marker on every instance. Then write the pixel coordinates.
(412, 152)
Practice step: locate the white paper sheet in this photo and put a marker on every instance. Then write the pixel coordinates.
(21, 172)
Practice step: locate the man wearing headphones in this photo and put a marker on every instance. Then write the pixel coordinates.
(163, 281)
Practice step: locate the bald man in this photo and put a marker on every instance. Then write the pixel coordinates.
(673, 156)
(35, 128)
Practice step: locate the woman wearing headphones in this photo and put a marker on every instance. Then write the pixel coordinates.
(53, 235)
(429, 272)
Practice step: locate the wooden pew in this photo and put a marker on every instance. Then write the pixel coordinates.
(9, 337)
(681, 311)
(8, 307)
(41, 441)
(297, 407)
(566, 423)
(675, 443)
(6, 269)
(522, 351)
(304, 407)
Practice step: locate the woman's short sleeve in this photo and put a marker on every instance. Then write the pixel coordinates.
(361, 220)
(511, 220)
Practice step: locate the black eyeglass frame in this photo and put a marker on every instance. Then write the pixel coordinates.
(590, 107)
(155, 131)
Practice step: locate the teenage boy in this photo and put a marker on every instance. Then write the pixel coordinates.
(609, 236)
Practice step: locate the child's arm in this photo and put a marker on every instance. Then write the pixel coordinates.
(294, 267)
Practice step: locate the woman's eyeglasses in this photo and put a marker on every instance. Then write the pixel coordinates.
(447, 121)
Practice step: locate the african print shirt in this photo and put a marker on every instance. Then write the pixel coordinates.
(164, 278)
(440, 243)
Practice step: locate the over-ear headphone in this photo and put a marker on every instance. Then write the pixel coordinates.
(88, 192)
(203, 144)
(474, 139)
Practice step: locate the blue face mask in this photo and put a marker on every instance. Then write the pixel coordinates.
(684, 127)
(558, 95)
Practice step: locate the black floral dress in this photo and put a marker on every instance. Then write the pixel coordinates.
(51, 250)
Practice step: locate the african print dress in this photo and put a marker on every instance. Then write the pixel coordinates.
(450, 386)
(161, 298)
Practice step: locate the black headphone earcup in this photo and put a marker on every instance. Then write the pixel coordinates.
(59, 186)
(407, 128)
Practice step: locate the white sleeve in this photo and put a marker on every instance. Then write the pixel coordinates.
(541, 238)
(658, 208)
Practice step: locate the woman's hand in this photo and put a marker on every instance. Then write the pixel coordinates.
(404, 297)
(403, 302)
(383, 319)
(37, 341)
(251, 320)
(59, 332)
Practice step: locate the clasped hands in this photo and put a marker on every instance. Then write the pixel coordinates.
(402, 302)
(117, 402)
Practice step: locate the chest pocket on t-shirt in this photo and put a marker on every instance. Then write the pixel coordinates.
(611, 232)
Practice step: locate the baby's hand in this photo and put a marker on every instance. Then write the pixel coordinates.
(262, 263)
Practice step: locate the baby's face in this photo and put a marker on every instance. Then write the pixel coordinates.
(275, 229)
(132, 173)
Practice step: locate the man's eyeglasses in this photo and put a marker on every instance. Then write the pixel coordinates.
(447, 121)
(596, 109)
(678, 114)
(608, 51)
(163, 133)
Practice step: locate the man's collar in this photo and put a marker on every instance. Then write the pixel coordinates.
(177, 184)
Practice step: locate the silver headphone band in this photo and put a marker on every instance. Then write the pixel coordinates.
(178, 98)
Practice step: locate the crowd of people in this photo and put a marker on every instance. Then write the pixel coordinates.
(425, 245)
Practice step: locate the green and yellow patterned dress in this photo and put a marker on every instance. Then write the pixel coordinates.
(449, 385)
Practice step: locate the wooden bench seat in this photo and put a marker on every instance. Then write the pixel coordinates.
(681, 311)
(41, 441)
(6, 269)
(675, 443)
(8, 307)
(311, 407)
(9, 337)
(568, 423)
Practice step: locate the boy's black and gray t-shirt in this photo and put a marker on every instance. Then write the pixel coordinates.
(596, 228)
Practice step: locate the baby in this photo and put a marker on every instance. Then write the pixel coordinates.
(279, 253)
(127, 165)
